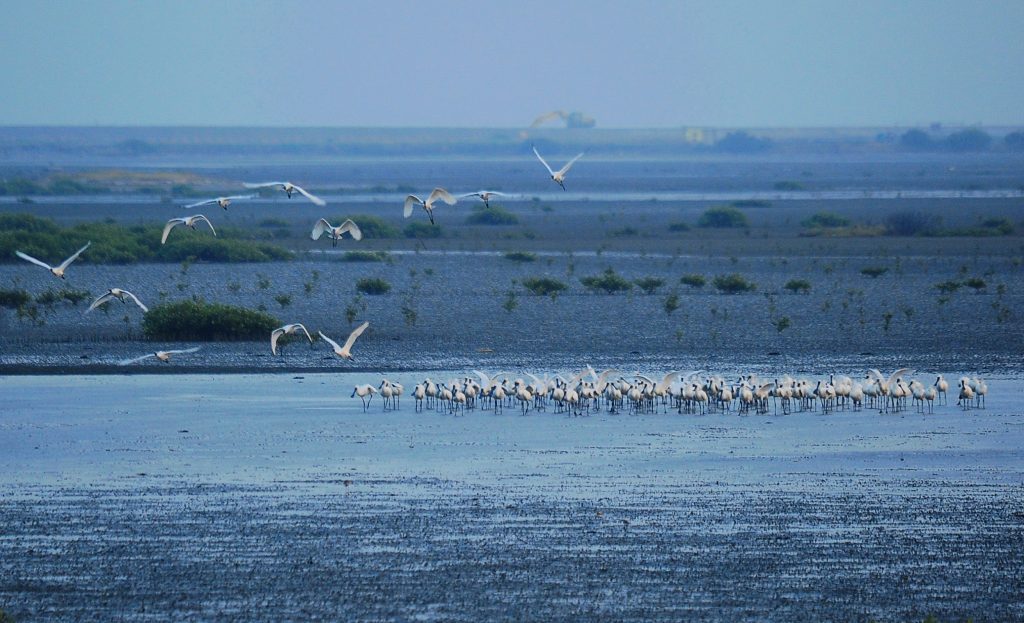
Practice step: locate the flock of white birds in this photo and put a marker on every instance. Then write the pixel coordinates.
(684, 392)
(587, 391)
(322, 226)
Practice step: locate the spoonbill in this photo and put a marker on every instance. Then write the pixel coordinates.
(289, 190)
(288, 329)
(119, 294)
(344, 351)
(557, 176)
(348, 227)
(428, 205)
(187, 221)
(363, 391)
(161, 355)
(223, 202)
(484, 195)
(58, 271)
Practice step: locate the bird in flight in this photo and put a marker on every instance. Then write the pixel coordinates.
(58, 271)
(287, 329)
(428, 205)
(289, 190)
(223, 202)
(484, 195)
(345, 351)
(348, 227)
(559, 175)
(161, 355)
(188, 221)
(119, 294)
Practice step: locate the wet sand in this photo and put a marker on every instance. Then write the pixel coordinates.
(271, 497)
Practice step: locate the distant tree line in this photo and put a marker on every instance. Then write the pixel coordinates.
(971, 139)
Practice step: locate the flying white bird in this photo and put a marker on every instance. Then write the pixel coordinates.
(119, 294)
(223, 202)
(162, 355)
(289, 189)
(557, 176)
(428, 205)
(287, 329)
(336, 233)
(188, 221)
(484, 195)
(344, 351)
(58, 271)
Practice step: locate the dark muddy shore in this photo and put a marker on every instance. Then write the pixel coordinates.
(234, 497)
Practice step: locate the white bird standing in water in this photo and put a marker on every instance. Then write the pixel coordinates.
(119, 294)
(557, 176)
(288, 329)
(289, 189)
(428, 205)
(188, 221)
(484, 195)
(161, 355)
(58, 271)
(348, 227)
(345, 351)
(223, 202)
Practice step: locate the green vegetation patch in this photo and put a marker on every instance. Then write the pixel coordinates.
(374, 286)
(118, 244)
(13, 299)
(609, 282)
(798, 286)
(422, 230)
(521, 256)
(494, 215)
(722, 217)
(649, 285)
(373, 227)
(694, 281)
(197, 320)
(365, 256)
(825, 220)
(733, 284)
(544, 286)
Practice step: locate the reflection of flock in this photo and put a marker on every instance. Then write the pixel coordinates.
(691, 392)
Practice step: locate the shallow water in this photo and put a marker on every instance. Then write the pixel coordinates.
(272, 496)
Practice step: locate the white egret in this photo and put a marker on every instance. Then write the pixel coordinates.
(161, 355)
(223, 202)
(119, 294)
(348, 227)
(557, 176)
(58, 270)
(428, 205)
(345, 351)
(289, 190)
(288, 329)
(484, 195)
(187, 221)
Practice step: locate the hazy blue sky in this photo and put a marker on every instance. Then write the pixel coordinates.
(499, 64)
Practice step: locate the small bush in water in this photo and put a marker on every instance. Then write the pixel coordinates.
(798, 286)
(544, 286)
(694, 281)
(373, 286)
(609, 281)
(733, 284)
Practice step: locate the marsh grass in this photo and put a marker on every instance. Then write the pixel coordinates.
(197, 320)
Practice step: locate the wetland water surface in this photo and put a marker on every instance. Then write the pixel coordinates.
(227, 497)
